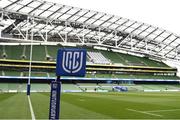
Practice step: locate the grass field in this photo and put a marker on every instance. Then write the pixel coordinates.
(137, 105)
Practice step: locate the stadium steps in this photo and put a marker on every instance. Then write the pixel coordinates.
(35, 74)
(133, 87)
(52, 51)
(22, 87)
(52, 74)
(40, 87)
(107, 86)
(4, 87)
(1, 52)
(150, 62)
(14, 52)
(173, 87)
(11, 73)
(153, 87)
(40, 53)
(70, 87)
(88, 86)
(91, 75)
(113, 57)
(131, 60)
(125, 76)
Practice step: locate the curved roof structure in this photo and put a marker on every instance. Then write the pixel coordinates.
(51, 23)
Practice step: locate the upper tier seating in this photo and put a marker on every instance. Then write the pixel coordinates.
(98, 58)
(49, 52)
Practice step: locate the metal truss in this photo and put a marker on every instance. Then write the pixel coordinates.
(52, 23)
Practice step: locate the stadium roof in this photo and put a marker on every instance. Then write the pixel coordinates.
(45, 22)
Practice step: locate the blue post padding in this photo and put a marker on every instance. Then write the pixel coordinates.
(28, 89)
(54, 109)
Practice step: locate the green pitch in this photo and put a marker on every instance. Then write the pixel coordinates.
(94, 105)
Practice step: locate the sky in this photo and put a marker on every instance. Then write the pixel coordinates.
(160, 13)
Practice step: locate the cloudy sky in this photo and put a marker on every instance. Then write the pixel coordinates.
(160, 13)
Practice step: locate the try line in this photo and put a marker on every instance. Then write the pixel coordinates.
(31, 109)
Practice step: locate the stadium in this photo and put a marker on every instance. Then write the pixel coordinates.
(132, 68)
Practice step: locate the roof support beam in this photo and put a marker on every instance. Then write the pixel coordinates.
(56, 11)
(74, 14)
(98, 19)
(82, 15)
(168, 44)
(113, 23)
(156, 37)
(128, 36)
(130, 25)
(172, 49)
(11, 4)
(137, 28)
(64, 13)
(144, 30)
(37, 7)
(146, 36)
(163, 41)
(14, 25)
(90, 17)
(106, 20)
(25, 6)
(122, 24)
(45, 10)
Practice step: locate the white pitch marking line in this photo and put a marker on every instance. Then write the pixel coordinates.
(163, 110)
(145, 112)
(31, 109)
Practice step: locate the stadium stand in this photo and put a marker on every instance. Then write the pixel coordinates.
(71, 87)
(48, 53)
(41, 53)
(40, 87)
(98, 58)
(134, 54)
